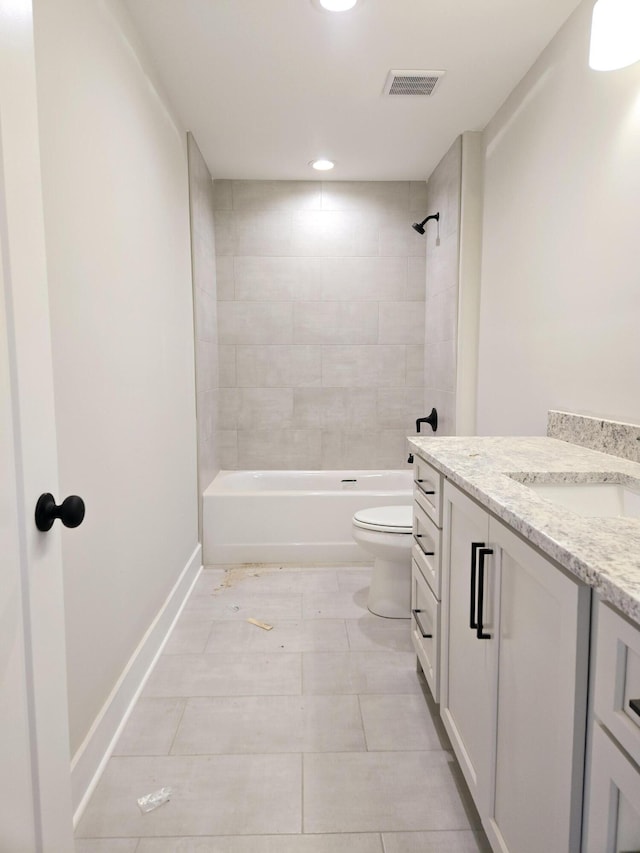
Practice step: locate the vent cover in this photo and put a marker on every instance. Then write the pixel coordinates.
(412, 82)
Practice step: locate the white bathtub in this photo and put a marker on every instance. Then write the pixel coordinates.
(293, 516)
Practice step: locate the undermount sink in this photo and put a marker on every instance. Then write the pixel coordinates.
(592, 500)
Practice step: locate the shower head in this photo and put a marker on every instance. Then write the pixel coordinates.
(419, 226)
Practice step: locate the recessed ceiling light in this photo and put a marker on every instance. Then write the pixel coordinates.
(335, 5)
(322, 165)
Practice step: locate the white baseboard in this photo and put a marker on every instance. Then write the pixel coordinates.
(91, 758)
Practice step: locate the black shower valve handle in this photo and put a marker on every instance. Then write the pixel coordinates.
(432, 420)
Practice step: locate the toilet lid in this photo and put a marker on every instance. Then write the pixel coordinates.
(388, 519)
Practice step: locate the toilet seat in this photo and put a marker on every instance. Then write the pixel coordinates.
(385, 519)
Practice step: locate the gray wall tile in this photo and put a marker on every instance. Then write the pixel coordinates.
(279, 366)
(401, 323)
(255, 322)
(205, 307)
(335, 323)
(441, 305)
(321, 317)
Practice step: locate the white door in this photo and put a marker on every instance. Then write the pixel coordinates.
(35, 798)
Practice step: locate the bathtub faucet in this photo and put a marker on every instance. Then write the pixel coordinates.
(432, 420)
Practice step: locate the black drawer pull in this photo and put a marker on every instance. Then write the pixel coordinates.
(634, 704)
(473, 624)
(419, 626)
(481, 635)
(424, 491)
(417, 536)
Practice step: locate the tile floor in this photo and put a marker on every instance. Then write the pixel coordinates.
(318, 736)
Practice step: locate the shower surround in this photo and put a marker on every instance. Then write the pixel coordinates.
(321, 310)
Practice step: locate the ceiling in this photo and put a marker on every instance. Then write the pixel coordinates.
(268, 85)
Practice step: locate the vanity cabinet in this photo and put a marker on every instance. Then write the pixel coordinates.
(513, 680)
(612, 807)
(425, 572)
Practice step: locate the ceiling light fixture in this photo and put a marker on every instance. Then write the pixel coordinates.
(615, 34)
(322, 165)
(338, 5)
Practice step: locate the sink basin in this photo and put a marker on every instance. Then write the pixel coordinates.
(592, 500)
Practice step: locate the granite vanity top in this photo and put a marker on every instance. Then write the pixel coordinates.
(602, 552)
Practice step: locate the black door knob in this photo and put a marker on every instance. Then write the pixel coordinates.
(70, 512)
(432, 420)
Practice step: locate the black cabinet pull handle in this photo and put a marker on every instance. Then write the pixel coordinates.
(473, 624)
(481, 635)
(424, 491)
(417, 536)
(419, 626)
(634, 704)
(70, 512)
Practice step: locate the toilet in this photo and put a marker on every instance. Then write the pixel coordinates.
(385, 532)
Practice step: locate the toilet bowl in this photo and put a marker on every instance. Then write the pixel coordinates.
(385, 533)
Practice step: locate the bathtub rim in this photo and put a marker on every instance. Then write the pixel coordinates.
(215, 487)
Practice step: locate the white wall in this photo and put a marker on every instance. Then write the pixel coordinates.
(117, 221)
(560, 302)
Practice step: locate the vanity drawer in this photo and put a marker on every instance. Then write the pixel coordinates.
(617, 682)
(428, 489)
(425, 629)
(427, 548)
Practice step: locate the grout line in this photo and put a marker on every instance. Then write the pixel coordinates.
(302, 793)
(364, 731)
(175, 734)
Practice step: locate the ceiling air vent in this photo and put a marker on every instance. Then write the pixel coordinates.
(412, 82)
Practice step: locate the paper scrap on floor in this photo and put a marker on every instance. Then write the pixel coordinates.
(262, 625)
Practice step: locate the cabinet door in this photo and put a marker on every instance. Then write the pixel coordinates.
(542, 695)
(612, 811)
(468, 679)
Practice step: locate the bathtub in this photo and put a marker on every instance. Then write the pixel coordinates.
(293, 516)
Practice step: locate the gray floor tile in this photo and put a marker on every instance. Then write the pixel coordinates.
(359, 672)
(210, 581)
(374, 633)
(151, 728)
(343, 843)
(246, 701)
(352, 580)
(399, 723)
(435, 842)
(267, 724)
(225, 675)
(288, 581)
(219, 795)
(106, 845)
(335, 605)
(317, 635)
(239, 604)
(382, 792)
(189, 635)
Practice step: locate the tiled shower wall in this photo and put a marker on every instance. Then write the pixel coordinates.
(441, 309)
(203, 255)
(321, 289)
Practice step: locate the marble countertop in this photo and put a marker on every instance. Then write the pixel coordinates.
(603, 552)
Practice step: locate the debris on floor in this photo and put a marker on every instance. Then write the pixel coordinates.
(262, 625)
(154, 800)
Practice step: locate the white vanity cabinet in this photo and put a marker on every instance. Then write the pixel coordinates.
(612, 806)
(513, 681)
